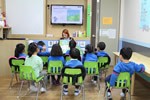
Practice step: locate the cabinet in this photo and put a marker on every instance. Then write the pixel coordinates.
(4, 31)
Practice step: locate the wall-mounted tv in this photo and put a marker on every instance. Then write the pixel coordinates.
(67, 14)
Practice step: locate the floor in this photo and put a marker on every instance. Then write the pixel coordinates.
(53, 93)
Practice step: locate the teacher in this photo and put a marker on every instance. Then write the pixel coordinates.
(65, 35)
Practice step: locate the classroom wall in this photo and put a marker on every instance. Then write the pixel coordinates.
(132, 35)
(7, 50)
(56, 30)
(2, 5)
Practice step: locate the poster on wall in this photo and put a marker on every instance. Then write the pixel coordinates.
(145, 15)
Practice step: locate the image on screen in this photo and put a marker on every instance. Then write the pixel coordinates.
(66, 14)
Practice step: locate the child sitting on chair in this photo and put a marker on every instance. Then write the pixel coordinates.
(123, 66)
(36, 62)
(72, 44)
(101, 53)
(90, 56)
(19, 50)
(74, 62)
(56, 54)
(42, 49)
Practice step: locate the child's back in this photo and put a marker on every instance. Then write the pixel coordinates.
(42, 49)
(19, 50)
(89, 55)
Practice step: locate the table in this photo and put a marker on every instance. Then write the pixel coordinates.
(137, 58)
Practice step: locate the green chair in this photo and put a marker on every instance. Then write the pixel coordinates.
(54, 68)
(27, 74)
(67, 58)
(73, 76)
(123, 82)
(92, 69)
(45, 61)
(103, 65)
(15, 67)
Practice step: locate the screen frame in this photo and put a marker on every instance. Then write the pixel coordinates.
(66, 23)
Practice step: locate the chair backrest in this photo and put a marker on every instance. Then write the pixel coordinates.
(27, 73)
(123, 80)
(15, 63)
(91, 67)
(73, 76)
(55, 67)
(45, 60)
(67, 58)
(103, 62)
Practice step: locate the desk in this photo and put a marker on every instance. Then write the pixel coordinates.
(137, 58)
(4, 31)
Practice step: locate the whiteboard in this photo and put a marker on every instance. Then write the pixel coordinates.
(131, 30)
(25, 16)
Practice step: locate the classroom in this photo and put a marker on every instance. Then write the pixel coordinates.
(75, 50)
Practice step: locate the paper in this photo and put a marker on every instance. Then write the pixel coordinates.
(107, 20)
(110, 33)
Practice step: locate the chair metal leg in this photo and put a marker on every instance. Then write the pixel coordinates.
(20, 89)
(61, 98)
(106, 97)
(98, 83)
(44, 84)
(11, 80)
(83, 92)
(16, 77)
(39, 86)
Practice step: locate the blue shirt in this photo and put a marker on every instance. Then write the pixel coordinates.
(73, 63)
(45, 53)
(22, 55)
(89, 57)
(57, 58)
(101, 54)
(130, 67)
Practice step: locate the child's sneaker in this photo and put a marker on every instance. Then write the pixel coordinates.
(109, 96)
(94, 82)
(33, 88)
(65, 91)
(43, 89)
(76, 92)
(122, 94)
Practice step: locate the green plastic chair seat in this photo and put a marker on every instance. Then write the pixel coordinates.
(27, 73)
(91, 67)
(123, 81)
(54, 67)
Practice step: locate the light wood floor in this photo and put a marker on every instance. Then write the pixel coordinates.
(91, 92)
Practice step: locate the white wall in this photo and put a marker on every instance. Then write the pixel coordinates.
(130, 30)
(25, 16)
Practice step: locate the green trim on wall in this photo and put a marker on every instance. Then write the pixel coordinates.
(88, 29)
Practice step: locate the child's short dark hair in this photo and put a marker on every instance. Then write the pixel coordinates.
(72, 43)
(75, 53)
(126, 53)
(32, 48)
(101, 45)
(19, 49)
(89, 48)
(56, 50)
(41, 43)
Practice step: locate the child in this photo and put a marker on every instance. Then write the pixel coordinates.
(124, 66)
(36, 62)
(72, 44)
(74, 62)
(19, 50)
(42, 49)
(90, 56)
(101, 53)
(56, 54)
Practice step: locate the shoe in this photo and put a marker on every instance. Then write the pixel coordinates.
(43, 89)
(65, 91)
(122, 94)
(94, 82)
(76, 92)
(109, 96)
(33, 88)
(57, 83)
